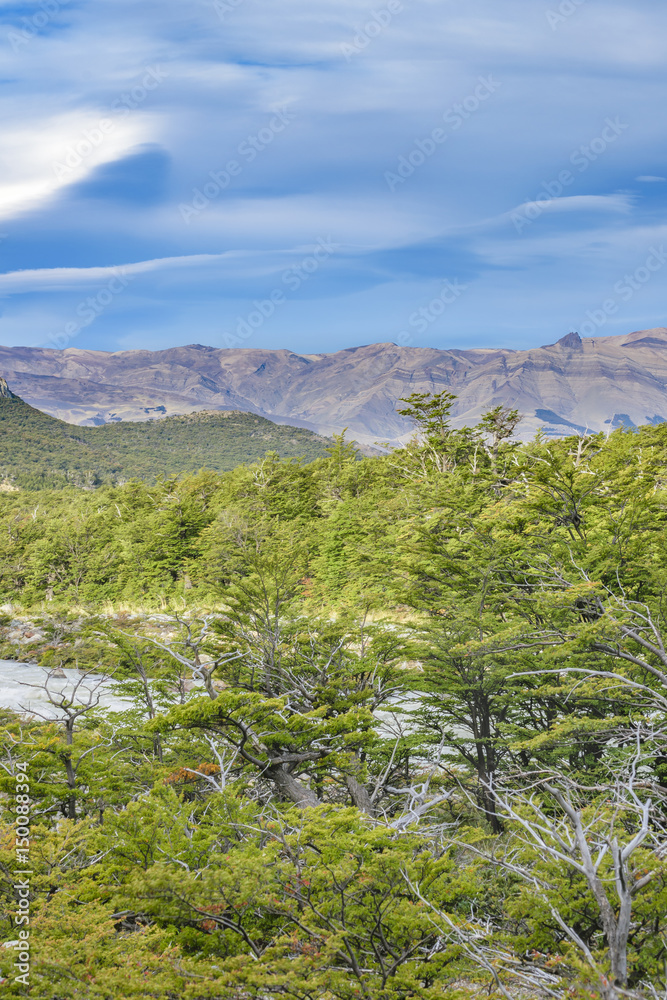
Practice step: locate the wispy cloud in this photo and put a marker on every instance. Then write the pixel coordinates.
(222, 81)
(58, 278)
(621, 203)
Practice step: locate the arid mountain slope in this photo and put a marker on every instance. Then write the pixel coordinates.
(596, 383)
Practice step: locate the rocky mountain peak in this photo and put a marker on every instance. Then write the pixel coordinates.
(5, 391)
(571, 342)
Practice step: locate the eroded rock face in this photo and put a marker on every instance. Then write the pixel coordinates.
(5, 392)
(596, 383)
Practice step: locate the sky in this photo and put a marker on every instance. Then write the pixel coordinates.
(320, 174)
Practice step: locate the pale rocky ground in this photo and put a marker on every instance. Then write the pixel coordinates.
(595, 383)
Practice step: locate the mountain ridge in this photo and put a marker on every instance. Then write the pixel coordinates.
(595, 383)
(39, 451)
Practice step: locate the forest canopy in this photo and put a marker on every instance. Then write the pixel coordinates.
(394, 727)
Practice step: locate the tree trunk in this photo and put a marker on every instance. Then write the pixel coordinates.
(486, 797)
(71, 773)
(359, 795)
(291, 788)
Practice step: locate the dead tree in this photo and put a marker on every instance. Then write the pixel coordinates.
(70, 706)
(612, 835)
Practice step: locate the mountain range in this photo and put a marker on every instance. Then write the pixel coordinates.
(574, 384)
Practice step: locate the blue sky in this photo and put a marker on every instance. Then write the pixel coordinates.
(319, 175)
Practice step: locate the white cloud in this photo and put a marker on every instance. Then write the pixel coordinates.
(582, 203)
(40, 158)
(59, 278)
(371, 222)
(533, 210)
(604, 250)
(54, 279)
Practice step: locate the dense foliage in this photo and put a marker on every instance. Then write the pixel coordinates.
(39, 452)
(394, 727)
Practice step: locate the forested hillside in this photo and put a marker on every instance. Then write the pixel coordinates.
(39, 452)
(398, 729)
